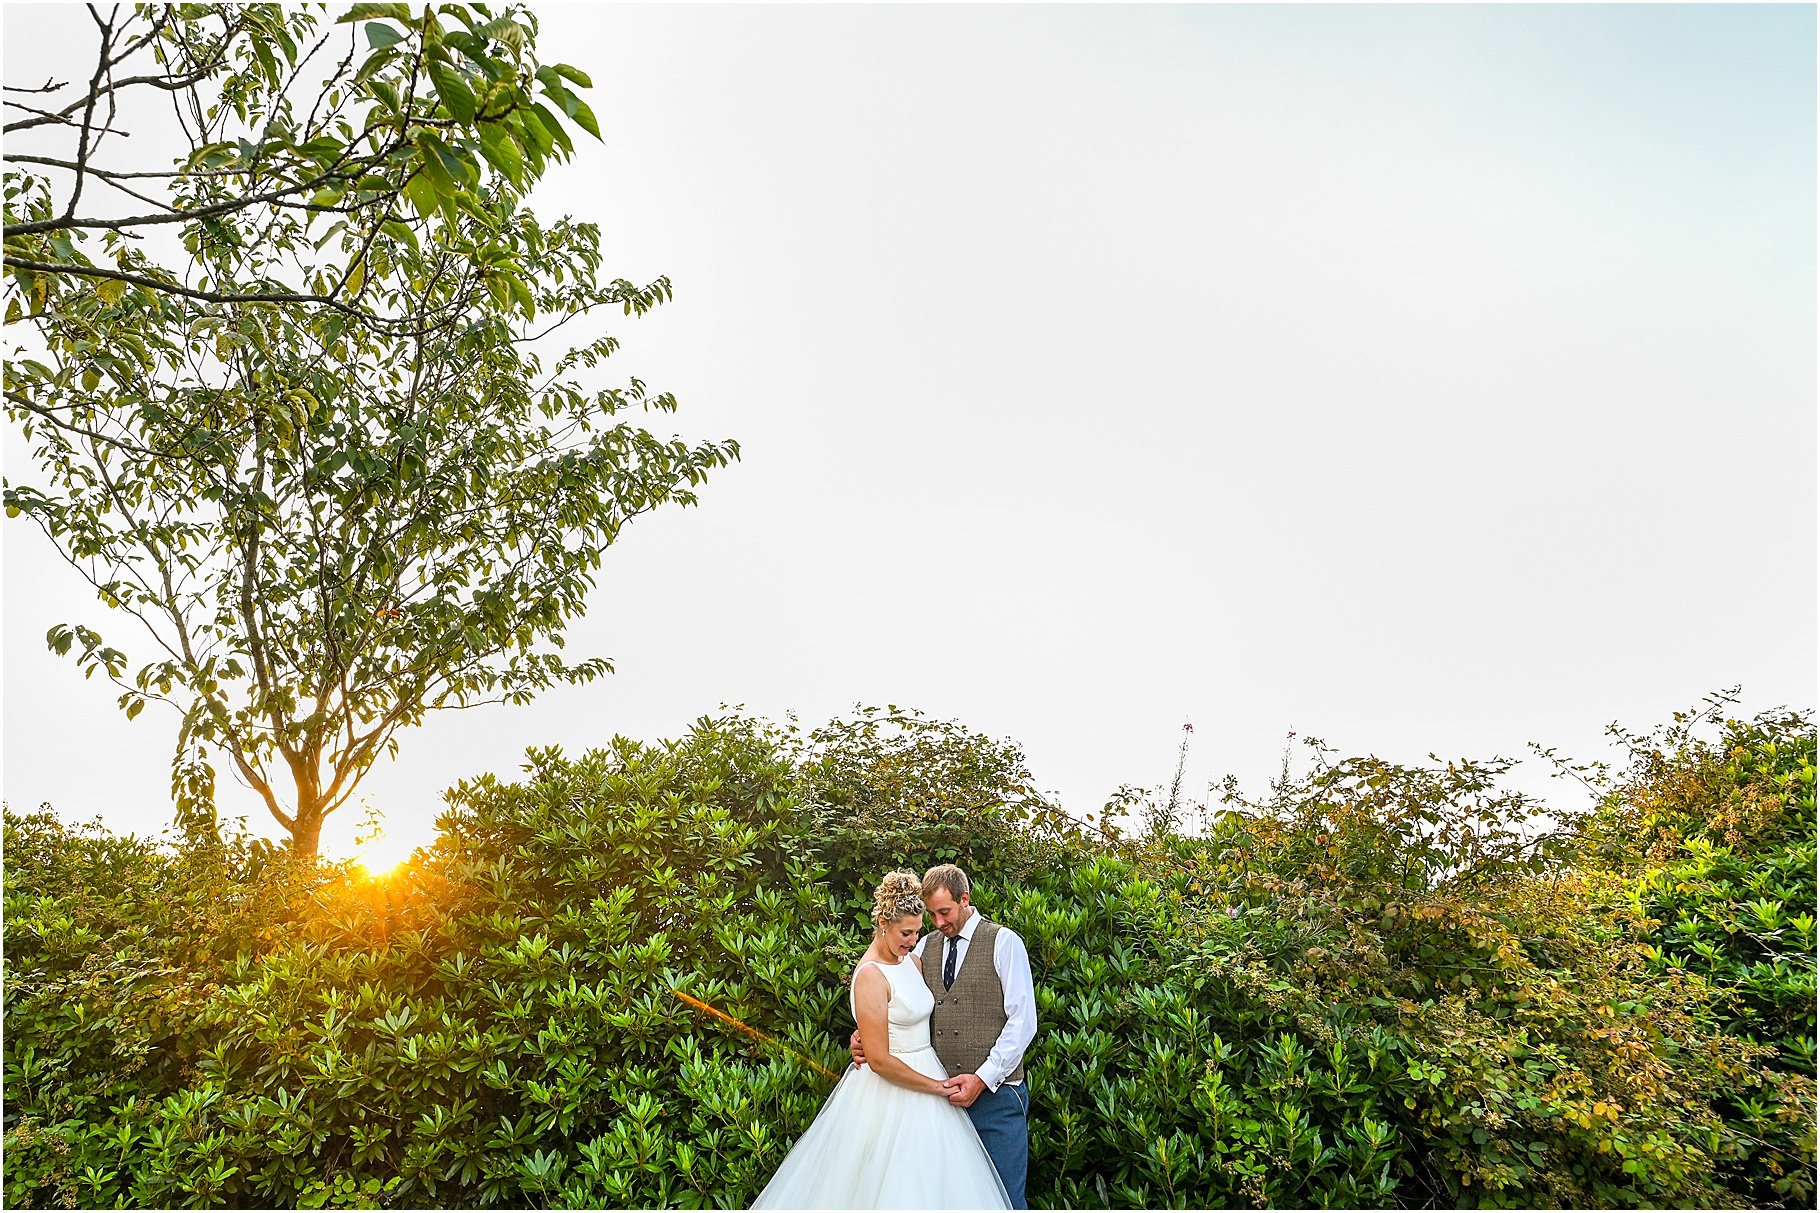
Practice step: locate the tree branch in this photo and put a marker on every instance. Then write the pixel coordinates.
(189, 292)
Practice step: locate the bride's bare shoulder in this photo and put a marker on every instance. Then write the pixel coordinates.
(869, 976)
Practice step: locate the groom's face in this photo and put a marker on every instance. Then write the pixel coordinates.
(950, 915)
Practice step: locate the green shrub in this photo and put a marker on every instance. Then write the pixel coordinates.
(890, 788)
(1722, 891)
(1388, 991)
(497, 1026)
(112, 950)
(620, 981)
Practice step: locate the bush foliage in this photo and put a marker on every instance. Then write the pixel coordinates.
(620, 981)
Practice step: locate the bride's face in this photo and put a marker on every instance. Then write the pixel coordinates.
(899, 935)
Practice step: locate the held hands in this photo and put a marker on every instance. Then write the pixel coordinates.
(963, 1089)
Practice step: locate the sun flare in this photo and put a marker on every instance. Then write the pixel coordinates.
(384, 853)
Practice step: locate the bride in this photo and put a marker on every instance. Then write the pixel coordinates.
(888, 1138)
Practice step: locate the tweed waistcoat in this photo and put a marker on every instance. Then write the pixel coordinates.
(967, 1019)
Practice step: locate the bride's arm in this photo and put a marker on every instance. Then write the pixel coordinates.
(871, 996)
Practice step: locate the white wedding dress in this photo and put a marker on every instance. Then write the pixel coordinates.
(876, 1145)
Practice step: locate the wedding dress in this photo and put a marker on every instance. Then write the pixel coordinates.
(876, 1145)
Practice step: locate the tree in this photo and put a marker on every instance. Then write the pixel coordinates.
(375, 125)
(333, 519)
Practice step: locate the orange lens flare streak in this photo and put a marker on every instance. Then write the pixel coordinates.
(751, 1031)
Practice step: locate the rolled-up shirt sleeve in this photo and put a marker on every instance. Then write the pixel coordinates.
(1011, 961)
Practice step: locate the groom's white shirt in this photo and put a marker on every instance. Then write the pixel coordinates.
(1011, 961)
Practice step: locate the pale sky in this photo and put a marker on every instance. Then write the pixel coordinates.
(1434, 378)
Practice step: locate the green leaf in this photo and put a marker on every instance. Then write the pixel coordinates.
(324, 150)
(552, 126)
(454, 91)
(504, 30)
(461, 165)
(263, 53)
(502, 152)
(380, 35)
(470, 202)
(432, 148)
(584, 117)
(335, 229)
(529, 129)
(572, 73)
(374, 62)
(421, 192)
(399, 230)
(475, 50)
(364, 11)
(521, 294)
(212, 155)
(554, 88)
(387, 94)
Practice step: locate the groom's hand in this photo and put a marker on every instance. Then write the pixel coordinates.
(857, 1049)
(963, 1089)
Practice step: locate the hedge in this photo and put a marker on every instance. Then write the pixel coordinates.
(619, 981)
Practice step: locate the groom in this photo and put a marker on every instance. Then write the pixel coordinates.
(984, 1019)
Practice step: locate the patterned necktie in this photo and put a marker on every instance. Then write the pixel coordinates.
(954, 950)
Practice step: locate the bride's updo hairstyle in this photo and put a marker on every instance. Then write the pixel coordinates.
(898, 894)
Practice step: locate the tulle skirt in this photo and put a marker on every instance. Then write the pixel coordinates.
(876, 1145)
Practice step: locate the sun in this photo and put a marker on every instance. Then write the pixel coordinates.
(384, 853)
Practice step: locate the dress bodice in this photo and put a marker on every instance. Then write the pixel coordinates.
(907, 1014)
(882, 1143)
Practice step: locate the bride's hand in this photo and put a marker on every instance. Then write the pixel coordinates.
(963, 1089)
(857, 1048)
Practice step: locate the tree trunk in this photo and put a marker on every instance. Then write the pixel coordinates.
(306, 823)
(306, 833)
